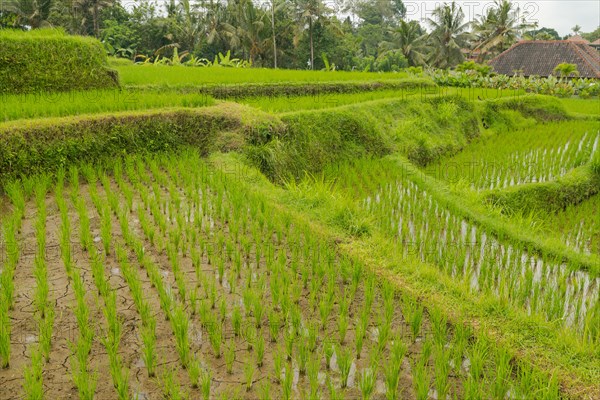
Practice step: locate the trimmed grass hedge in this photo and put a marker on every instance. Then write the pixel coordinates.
(43, 146)
(51, 61)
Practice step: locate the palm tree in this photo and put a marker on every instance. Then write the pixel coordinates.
(274, 7)
(500, 28)
(307, 12)
(33, 13)
(449, 35)
(92, 8)
(217, 30)
(188, 26)
(409, 38)
(250, 29)
(565, 70)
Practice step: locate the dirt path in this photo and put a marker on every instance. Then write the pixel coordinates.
(24, 326)
(58, 383)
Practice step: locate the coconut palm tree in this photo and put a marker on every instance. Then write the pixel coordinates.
(449, 35)
(188, 26)
(217, 29)
(410, 39)
(250, 28)
(307, 12)
(91, 9)
(500, 28)
(32, 13)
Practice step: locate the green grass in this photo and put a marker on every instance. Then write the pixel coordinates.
(43, 105)
(582, 106)
(181, 75)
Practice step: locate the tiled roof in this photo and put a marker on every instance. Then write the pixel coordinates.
(578, 39)
(540, 57)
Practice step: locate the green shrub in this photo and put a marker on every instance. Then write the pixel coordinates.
(51, 61)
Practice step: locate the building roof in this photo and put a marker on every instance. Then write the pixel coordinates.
(596, 42)
(540, 57)
(578, 38)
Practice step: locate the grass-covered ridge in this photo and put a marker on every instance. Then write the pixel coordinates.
(421, 130)
(51, 61)
(36, 146)
(568, 190)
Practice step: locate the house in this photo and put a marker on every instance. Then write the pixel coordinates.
(540, 57)
(596, 44)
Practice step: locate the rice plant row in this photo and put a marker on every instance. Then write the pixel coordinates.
(33, 385)
(206, 207)
(46, 105)
(528, 155)
(111, 337)
(83, 377)
(578, 225)
(426, 229)
(257, 304)
(10, 257)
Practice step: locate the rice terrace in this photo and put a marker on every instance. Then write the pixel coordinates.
(181, 220)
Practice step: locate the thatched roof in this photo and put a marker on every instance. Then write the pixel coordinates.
(540, 57)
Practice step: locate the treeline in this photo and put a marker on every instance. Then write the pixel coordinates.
(374, 35)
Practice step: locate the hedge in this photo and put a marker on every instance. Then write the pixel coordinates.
(43, 146)
(51, 61)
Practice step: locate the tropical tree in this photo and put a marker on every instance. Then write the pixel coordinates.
(449, 35)
(307, 12)
(217, 31)
(565, 70)
(499, 28)
(542, 34)
(250, 29)
(187, 26)
(410, 39)
(31, 13)
(90, 13)
(275, 6)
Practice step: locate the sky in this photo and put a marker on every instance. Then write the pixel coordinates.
(561, 15)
